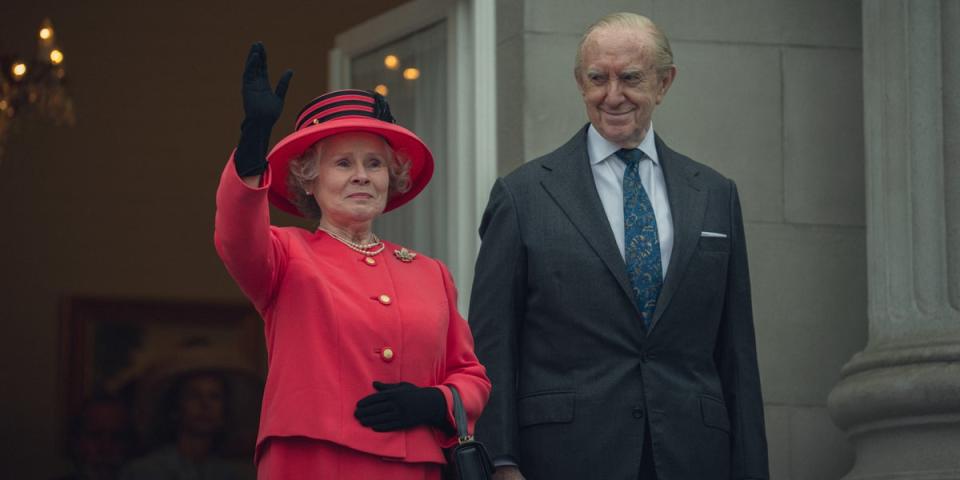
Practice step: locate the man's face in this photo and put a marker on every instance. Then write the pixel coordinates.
(620, 83)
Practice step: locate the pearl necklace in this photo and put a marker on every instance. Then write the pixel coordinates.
(367, 249)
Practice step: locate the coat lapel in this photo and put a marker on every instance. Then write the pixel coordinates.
(688, 203)
(570, 167)
(570, 184)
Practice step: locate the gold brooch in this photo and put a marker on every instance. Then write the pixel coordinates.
(404, 255)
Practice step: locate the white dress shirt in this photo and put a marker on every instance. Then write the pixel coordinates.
(608, 175)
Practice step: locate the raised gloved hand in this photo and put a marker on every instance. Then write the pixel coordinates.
(396, 406)
(262, 107)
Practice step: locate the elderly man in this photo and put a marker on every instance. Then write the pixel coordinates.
(611, 303)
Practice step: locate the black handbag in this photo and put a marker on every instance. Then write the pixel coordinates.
(468, 460)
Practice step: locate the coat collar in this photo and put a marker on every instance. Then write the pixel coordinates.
(570, 184)
(688, 204)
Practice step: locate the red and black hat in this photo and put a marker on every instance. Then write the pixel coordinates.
(343, 111)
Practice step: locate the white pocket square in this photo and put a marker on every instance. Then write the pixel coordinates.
(713, 235)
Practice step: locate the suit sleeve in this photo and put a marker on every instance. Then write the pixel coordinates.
(249, 248)
(496, 317)
(463, 370)
(736, 358)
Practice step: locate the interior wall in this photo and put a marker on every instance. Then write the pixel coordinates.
(121, 205)
(770, 94)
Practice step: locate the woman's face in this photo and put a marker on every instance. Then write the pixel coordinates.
(353, 178)
(201, 405)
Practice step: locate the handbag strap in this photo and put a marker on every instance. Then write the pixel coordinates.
(460, 415)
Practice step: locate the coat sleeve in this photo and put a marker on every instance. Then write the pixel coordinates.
(496, 317)
(736, 357)
(250, 250)
(463, 370)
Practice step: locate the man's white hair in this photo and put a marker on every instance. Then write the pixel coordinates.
(663, 55)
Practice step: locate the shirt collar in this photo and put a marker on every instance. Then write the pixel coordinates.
(600, 148)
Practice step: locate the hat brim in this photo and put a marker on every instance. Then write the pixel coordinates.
(399, 138)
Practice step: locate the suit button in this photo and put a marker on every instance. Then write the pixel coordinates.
(370, 261)
(646, 357)
(385, 299)
(387, 354)
(638, 412)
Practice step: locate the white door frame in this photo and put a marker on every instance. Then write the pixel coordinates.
(472, 115)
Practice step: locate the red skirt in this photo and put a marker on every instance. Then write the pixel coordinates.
(291, 458)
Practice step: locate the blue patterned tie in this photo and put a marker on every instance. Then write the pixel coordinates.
(640, 238)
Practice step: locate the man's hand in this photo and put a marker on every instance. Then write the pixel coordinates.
(509, 472)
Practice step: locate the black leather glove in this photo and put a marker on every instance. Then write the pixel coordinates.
(262, 107)
(396, 406)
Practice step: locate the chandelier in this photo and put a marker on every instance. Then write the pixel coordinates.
(34, 88)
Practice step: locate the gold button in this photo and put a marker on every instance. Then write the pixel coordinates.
(370, 261)
(385, 299)
(387, 354)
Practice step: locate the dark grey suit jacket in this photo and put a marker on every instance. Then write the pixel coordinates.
(576, 381)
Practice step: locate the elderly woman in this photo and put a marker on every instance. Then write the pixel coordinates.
(364, 338)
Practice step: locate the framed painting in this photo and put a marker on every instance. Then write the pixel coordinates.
(135, 351)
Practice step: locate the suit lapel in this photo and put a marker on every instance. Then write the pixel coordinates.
(688, 203)
(570, 184)
(570, 166)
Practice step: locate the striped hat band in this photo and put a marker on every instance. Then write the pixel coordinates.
(344, 103)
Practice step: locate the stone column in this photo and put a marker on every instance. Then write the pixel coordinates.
(899, 399)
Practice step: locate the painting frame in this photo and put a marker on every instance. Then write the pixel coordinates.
(112, 347)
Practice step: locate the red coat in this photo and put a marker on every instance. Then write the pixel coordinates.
(331, 322)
